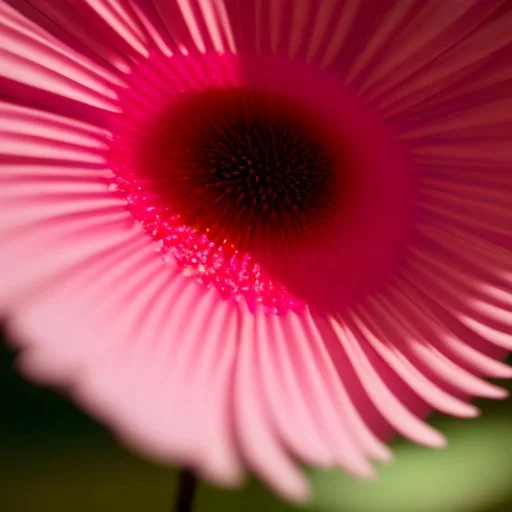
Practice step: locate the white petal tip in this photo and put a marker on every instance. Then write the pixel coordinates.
(297, 491)
(368, 474)
(497, 393)
(431, 439)
(438, 441)
(464, 411)
(225, 477)
(385, 457)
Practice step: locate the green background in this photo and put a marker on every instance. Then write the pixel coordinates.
(53, 458)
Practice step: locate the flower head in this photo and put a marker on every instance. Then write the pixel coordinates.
(246, 234)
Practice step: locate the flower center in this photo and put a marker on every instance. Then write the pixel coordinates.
(262, 177)
(253, 168)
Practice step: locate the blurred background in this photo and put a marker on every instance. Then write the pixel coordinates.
(53, 458)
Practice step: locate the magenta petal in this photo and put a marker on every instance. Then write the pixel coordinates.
(250, 235)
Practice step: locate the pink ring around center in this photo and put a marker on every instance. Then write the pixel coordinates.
(364, 238)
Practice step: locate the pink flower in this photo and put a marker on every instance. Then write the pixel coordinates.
(246, 234)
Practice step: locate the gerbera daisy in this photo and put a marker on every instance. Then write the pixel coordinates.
(253, 233)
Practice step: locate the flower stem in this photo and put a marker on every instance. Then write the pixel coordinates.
(187, 485)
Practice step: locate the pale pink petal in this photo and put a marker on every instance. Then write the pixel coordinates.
(400, 302)
(258, 441)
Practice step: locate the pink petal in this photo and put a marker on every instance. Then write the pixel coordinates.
(408, 312)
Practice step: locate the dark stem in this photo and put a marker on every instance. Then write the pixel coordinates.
(186, 489)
